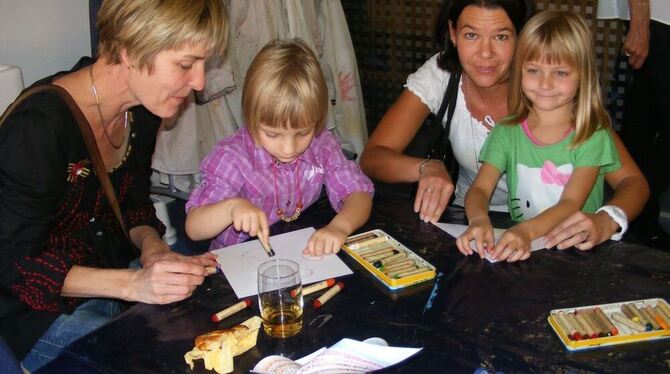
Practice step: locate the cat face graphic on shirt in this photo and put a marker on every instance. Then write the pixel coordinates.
(538, 188)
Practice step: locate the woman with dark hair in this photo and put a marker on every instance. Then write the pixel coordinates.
(64, 256)
(477, 40)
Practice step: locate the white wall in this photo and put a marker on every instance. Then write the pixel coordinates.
(43, 37)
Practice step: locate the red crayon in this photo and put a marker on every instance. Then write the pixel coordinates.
(231, 310)
(328, 294)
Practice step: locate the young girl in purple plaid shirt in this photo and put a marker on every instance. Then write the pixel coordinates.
(276, 166)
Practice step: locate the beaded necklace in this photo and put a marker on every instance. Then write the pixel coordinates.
(298, 206)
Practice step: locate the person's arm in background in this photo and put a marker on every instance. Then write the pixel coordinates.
(630, 194)
(636, 44)
(383, 158)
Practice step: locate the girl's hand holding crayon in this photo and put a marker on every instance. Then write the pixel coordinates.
(513, 245)
(249, 218)
(327, 240)
(481, 231)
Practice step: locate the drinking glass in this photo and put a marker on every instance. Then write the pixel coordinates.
(280, 297)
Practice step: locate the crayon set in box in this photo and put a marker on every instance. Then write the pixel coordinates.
(395, 265)
(602, 325)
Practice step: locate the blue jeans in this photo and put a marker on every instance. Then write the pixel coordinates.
(68, 328)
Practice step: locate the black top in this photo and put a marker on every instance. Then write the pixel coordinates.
(54, 213)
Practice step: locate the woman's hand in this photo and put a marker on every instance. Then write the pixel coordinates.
(433, 192)
(327, 240)
(481, 231)
(164, 282)
(582, 231)
(636, 44)
(155, 250)
(513, 245)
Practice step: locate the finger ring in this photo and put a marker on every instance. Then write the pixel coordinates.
(429, 189)
(626, 52)
(587, 235)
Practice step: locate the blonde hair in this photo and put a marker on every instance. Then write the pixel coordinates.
(556, 36)
(144, 28)
(285, 87)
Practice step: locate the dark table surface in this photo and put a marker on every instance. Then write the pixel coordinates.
(491, 316)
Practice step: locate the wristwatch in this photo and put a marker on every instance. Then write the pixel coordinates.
(617, 215)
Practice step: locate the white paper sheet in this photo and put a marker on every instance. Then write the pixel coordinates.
(240, 261)
(346, 356)
(456, 230)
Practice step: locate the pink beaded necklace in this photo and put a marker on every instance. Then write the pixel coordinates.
(298, 206)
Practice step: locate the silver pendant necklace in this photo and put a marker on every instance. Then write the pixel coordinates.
(102, 122)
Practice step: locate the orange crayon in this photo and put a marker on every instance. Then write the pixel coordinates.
(659, 320)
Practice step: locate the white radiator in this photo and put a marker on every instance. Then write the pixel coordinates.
(11, 84)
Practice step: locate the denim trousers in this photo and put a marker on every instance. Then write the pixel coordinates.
(68, 328)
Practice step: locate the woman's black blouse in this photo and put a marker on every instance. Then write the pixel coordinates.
(54, 213)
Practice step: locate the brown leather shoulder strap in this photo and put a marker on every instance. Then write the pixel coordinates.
(89, 140)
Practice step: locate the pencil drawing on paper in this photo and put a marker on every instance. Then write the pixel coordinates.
(256, 253)
(312, 258)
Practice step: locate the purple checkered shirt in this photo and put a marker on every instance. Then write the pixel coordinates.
(236, 167)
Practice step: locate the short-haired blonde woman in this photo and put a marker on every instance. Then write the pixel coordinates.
(276, 166)
(63, 255)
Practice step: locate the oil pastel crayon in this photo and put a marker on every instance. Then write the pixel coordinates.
(595, 332)
(573, 321)
(603, 318)
(629, 323)
(664, 307)
(570, 331)
(399, 268)
(649, 318)
(395, 265)
(314, 287)
(267, 247)
(659, 321)
(332, 291)
(379, 256)
(640, 317)
(371, 251)
(361, 238)
(600, 329)
(389, 260)
(628, 313)
(367, 242)
(411, 272)
(662, 315)
(231, 310)
(590, 332)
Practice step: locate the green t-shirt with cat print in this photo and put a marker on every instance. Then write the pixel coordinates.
(537, 174)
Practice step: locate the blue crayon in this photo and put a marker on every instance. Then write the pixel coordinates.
(433, 293)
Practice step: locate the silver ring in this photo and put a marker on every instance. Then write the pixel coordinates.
(429, 189)
(627, 52)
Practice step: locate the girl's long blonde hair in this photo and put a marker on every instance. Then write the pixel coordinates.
(556, 36)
